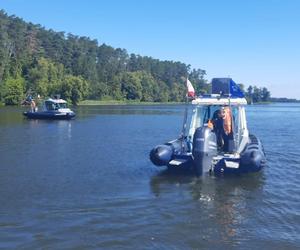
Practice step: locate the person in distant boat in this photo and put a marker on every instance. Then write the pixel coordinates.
(33, 106)
(27, 101)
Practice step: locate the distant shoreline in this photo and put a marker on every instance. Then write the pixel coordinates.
(127, 102)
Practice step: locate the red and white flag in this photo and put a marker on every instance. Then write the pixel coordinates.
(191, 90)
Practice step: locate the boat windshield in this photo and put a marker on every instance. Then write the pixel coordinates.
(203, 115)
(62, 105)
(55, 106)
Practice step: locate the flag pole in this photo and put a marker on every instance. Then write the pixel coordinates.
(190, 92)
(183, 131)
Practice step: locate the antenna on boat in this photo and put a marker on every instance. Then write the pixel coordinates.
(230, 108)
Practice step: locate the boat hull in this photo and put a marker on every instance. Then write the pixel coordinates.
(252, 159)
(162, 155)
(49, 115)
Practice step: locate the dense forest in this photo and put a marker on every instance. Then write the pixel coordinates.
(43, 62)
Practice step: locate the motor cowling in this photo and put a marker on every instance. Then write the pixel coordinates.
(204, 148)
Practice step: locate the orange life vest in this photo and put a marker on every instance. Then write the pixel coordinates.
(227, 120)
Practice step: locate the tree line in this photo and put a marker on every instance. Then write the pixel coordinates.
(39, 61)
(256, 94)
(43, 62)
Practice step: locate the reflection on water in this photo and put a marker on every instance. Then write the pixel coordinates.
(228, 199)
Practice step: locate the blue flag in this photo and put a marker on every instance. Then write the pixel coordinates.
(235, 90)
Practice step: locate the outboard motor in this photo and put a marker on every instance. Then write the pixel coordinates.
(204, 148)
(161, 155)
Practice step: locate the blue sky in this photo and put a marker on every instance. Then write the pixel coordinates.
(255, 42)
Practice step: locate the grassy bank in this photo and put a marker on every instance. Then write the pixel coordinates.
(114, 102)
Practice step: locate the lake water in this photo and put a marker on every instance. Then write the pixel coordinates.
(89, 184)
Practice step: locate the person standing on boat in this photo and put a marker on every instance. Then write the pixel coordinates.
(218, 128)
(32, 105)
(222, 124)
(227, 125)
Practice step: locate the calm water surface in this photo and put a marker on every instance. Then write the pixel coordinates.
(88, 183)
